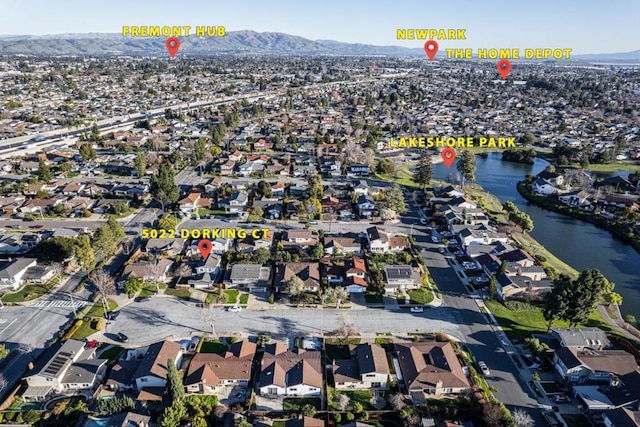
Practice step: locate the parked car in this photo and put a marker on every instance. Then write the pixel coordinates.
(143, 299)
(561, 398)
(234, 308)
(484, 368)
(113, 315)
(417, 309)
(122, 337)
(482, 279)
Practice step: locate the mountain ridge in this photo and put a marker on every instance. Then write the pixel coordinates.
(234, 42)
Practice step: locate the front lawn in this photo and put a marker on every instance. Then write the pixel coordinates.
(181, 293)
(231, 296)
(421, 296)
(111, 353)
(88, 327)
(98, 311)
(149, 289)
(28, 292)
(244, 299)
(521, 324)
(373, 298)
(213, 346)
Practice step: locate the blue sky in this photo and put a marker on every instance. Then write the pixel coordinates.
(586, 26)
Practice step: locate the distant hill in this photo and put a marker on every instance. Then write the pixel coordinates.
(235, 42)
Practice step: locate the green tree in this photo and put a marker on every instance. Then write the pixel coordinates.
(87, 152)
(103, 241)
(315, 189)
(199, 150)
(116, 228)
(132, 286)
(308, 410)
(56, 249)
(173, 415)
(424, 172)
(554, 302)
(174, 383)
(295, 286)
(85, 256)
(392, 198)
(44, 172)
(260, 256)
(4, 351)
(168, 222)
(318, 250)
(141, 163)
(493, 287)
(31, 417)
(163, 187)
(467, 166)
(263, 189)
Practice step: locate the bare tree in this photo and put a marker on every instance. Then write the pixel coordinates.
(210, 315)
(3, 382)
(342, 401)
(57, 268)
(522, 419)
(183, 270)
(105, 285)
(157, 270)
(346, 328)
(396, 401)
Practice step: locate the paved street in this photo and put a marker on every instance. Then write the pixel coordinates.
(150, 321)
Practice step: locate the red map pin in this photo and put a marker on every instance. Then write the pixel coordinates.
(504, 68)
(173, 44)
(431, 48)
(448, 155)
(204, 246)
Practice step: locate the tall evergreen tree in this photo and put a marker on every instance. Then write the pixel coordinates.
(174, 383)
(163, 186)
(424, 171)
(467, 165)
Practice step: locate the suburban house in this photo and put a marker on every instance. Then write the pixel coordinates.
(295, 373)
(171, 247)
(577, 198)
(591, 365)
(366, 205)
(401, 277)
(12, 271)
(342, 245)
(367, 368)
(147, 271)
(621, 417)
(65, 367)
(309, 272)
(250, 243)
(544, 187)
(39, 274)
(520, 286)
(208, 373)
(431, 369)
(236, 203)
(304, 422)
(206, 272)
(620, 392)
(250, 277)
(580, 338)
(151, 375)
(299, 239)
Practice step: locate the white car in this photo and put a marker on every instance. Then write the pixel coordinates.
(482, 279)
(234, 308)
(434, 239)
(417, 309)
(484, 368)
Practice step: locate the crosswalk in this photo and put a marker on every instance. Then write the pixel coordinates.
(59, 303)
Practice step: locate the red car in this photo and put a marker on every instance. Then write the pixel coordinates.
(37, 226)
(93, 343)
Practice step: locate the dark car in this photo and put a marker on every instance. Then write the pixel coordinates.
(561, 398)
(122, 337)
(143, 299)
(113, 315)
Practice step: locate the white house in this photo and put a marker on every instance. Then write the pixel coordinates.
(544, 187)
(13, 270)
(290, 373)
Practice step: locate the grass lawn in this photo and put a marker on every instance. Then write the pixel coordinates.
(89, 327)
(421, 296)
(361, 396)
(205, 211)
(244, 299)
(149, 289)
(294, 404)
(279, 423)
(213, 346)
(181, 293)
(111, 353)
(614, 167)
(98, 311)
(373, 298)
(211, 298)
(575, 420)
(29, 292)
(520, 324)
(232, 296)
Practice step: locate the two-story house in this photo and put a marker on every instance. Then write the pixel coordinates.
(367, 368)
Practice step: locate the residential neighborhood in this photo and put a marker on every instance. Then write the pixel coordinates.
(234, 240)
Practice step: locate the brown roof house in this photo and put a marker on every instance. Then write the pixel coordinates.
(151, 375)
(210, 373)
(309, 272)
(431, 369)
(290, 373)
(367, 368)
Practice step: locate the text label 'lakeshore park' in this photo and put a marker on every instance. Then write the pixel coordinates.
(454, 142)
